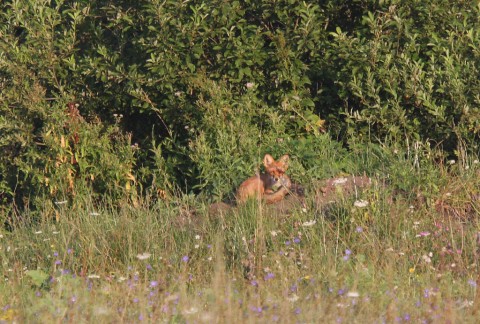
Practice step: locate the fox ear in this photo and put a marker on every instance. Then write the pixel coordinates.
(267, 160)
(284, 159)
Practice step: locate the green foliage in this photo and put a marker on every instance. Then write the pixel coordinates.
(206, 88)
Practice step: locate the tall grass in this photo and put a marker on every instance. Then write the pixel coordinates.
(410, 255)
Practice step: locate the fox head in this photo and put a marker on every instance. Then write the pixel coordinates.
(276, 169)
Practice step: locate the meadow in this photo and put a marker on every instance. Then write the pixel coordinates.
(123, 123)
(404, 249)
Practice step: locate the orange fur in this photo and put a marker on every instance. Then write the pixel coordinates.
(261, 186)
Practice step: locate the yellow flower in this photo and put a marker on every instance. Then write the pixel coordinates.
(411, 270)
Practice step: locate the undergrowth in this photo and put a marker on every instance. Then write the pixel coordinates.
(402, 250)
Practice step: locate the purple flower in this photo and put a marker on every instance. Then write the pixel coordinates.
(149, 267)
(426, 293)
(135, 300)
(55, 254)
(341, 292)
(254, 283)
(58, 262)
(153, 284)
(185, 258)
(297, 311)
(69, 251)
(288, 242)
(73, 299)
(296, 240)
(359, 229)
(472, 283)
(294, 288)
(38, 294)
(269, 275)
(348, 252)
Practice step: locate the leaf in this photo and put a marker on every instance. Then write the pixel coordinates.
(38, 277)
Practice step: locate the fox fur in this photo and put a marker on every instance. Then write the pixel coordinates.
(263, 186)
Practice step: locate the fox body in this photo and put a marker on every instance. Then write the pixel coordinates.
(264, 185)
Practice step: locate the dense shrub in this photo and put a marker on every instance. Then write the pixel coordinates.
(190, 94)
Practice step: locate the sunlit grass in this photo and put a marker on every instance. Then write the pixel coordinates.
(398, 251)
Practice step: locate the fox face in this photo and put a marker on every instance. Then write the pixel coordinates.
(265, 185)
(276, 169)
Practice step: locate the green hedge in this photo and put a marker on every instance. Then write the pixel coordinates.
(190, 94)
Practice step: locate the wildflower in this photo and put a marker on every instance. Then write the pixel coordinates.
(254, 283)
(411, 270)
(309, 223)
(296, 240)
(58, 262)
(269, 275)
(249, 85)
(353, 294)
(423, 234)
(472, 283)
(359, 229)
(69, 251)
(153, 284)
(339, 181)
(346, 257)
(288, 242)
(185, 258)
(197, 237)
(135, 300)
(360, 203)
(149, 267)
(143, 256)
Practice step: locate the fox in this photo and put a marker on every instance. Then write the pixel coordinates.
(263, 186)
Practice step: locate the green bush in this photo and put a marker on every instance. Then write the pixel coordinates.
(206, 88)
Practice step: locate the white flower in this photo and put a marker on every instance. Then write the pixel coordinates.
(143, 256)
(339, 181)
(360, 203)
(93, 276)
(309, 223)
(353, 294)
